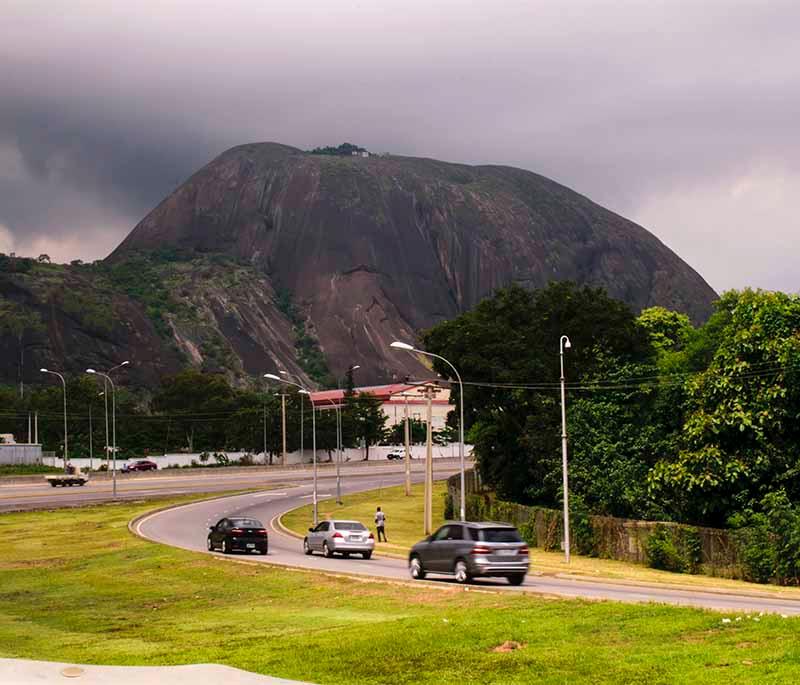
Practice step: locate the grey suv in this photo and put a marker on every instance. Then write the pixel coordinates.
(467, 550)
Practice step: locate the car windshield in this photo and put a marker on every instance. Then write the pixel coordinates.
(247, 523)
(500, 535)
(349, 525)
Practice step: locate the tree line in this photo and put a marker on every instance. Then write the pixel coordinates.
(666, 421)
(191, 411)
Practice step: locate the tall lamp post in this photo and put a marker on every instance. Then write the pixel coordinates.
(410, 348)
(564, 343)
(64, 385)
(303, 391)
(106, 377)
(338, 451)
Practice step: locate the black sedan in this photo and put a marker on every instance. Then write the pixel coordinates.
(238, 535)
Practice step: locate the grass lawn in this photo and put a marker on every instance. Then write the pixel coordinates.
(27, 469)
(76, 586)
(404, 528)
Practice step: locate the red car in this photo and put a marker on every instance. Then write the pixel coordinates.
(140, 465)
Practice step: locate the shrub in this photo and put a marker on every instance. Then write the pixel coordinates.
(449, 509)
(582, 532)
(221, 458)
(674, 548)
(247, 460)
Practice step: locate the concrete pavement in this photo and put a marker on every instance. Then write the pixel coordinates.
(24, 672)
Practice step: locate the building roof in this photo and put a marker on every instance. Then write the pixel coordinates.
(381, 392)
(387, 394)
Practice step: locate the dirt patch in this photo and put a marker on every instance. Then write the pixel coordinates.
(509, 646)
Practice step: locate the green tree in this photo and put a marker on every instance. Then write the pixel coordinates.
(741, 437)
(199, 405)
(512, 339)
(22, 324)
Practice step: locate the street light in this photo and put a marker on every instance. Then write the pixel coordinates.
(303, 391)
(106, 377)
(410, 348)
(338, 450)
(302, 421)
(105, 400)
(564, 343)
(64, 384)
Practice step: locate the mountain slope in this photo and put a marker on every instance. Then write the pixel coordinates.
(373, 249)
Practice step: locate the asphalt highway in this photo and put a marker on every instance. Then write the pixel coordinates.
(37, 494)
(187, 527)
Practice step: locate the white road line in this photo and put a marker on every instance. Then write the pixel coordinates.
(327, 494)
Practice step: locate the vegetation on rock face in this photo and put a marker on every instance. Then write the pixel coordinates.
(343, 150)
(309, 354)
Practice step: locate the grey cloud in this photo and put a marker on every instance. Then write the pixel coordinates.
(644, 107)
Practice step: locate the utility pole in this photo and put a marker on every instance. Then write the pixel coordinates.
(429, 466)
(29, 428)
(36, 427)
(564, 342)
(408, 451)
(283, 428)
(265, 431)
(91, 452)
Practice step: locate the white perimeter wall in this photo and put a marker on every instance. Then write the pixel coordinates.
(182, 459)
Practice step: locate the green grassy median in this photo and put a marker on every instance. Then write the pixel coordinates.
(404, 524)
(76, 586)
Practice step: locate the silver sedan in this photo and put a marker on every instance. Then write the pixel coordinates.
(339, 537)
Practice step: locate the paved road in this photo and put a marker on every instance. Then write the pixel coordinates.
(39, 495)
(187, 526)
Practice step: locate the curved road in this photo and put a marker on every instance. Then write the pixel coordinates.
(187, 527)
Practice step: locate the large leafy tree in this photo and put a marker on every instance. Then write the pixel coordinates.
(741, 437)
(512, 339)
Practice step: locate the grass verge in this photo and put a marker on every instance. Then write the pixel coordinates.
(27, 469)
(76, 586)
(404, 528)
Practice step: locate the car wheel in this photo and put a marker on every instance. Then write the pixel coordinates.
(367, 555)
(225, 548)
(209, 545)
(516, 578)
(307, 548)
(326, 551)
(461, 572)
(346, 555)
(265, 551)
(416, 569)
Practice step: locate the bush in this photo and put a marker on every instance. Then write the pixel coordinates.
(674, 548)
(221, 458)
(582, 531)
(247, 460)
(449, 508)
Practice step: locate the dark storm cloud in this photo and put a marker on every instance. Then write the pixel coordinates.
(681, 115)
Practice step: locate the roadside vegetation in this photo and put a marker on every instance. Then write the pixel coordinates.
(76, 586)
(666, 421)
(27, 469)
(404, 528)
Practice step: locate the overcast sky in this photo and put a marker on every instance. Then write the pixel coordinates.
(682, 116)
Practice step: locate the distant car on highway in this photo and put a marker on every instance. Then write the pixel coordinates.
(396, 454)
(339, 537)
(238, 535)
(140, 465)
(468, 550)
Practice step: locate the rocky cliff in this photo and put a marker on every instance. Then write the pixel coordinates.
(368, 250)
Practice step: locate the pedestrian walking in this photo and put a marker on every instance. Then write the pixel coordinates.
(380, 522)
